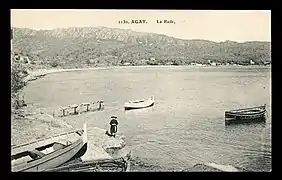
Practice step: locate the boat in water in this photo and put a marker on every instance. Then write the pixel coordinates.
(254, 114)
(138, 104)
(49, 152)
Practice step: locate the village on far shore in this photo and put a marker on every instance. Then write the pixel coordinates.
(17, 58)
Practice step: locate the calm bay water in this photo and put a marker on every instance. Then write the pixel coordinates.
(186, 125)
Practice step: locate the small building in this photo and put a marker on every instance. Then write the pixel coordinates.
(213, 64)
(91, 61)
(144, 60)
(252, 62)
(126, 64)
(267, 63)
(169, 63)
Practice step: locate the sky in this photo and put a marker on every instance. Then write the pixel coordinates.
(216, 26)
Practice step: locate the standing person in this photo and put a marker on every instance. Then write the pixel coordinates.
(113, 123)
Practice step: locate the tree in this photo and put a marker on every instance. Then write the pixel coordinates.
(54, 64)
(18, 73)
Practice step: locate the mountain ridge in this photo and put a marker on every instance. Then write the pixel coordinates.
(130, 30)
(100, 46)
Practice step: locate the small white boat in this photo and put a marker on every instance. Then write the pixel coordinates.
(137, 104)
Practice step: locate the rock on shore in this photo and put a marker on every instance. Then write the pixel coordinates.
(212, 167)
(101, 146)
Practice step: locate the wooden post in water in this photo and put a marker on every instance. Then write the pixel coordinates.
(74, 106)
(64, 110)
(100, 104)
(87, 105)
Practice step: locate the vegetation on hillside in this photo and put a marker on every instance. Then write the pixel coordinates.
(18, 74)
(101, 46)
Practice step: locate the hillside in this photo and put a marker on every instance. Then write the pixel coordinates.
(102, 46)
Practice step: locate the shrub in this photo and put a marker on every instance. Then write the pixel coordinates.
(18, 73)
(54, 64)
(17, 101)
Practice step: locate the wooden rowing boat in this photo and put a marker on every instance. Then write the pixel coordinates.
(137, 104)
(49, 152)
(246, 115)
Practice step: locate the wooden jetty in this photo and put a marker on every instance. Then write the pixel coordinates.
(246, 115)
(79, 108)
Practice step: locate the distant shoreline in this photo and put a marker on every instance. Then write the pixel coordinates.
(35, 74)
(42, 72)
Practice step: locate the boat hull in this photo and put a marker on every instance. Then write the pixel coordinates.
(59, 156)
(131, 108)
(245, 116)
(240, 120)
(55, 159)
(139, 104)
(80, 153)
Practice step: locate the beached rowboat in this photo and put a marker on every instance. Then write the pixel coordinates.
(139, 103)
(49, 152)
(245, 115)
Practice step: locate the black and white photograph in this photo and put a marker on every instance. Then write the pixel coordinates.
(108, 90)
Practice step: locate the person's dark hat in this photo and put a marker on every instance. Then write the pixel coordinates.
(113, 116)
